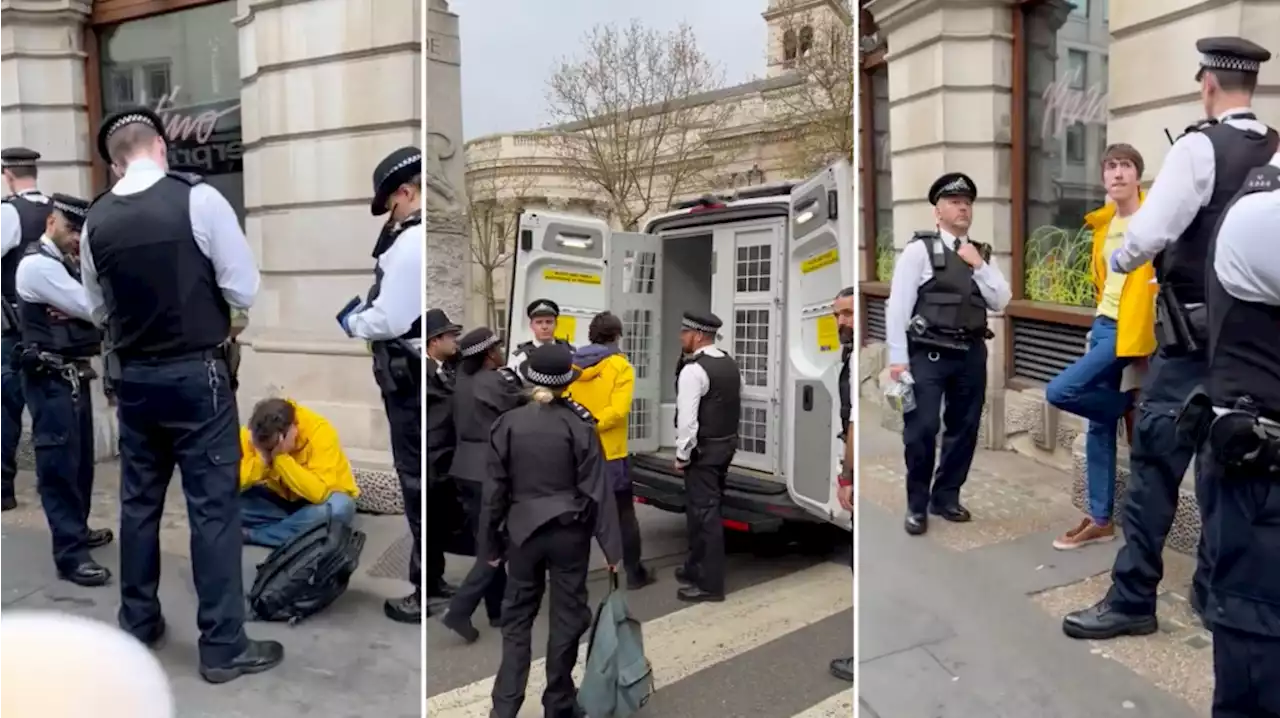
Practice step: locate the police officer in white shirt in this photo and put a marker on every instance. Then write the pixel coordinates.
(164, 262)
(58, 339)
(542, 314)
(22, 218)
(943, 286)
(1204, 169)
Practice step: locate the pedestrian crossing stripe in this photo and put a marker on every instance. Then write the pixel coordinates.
(838, 706)
(687, 641)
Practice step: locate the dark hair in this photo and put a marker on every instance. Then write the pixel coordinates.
(1235, 80)
(270, 420)
(845, 293)
(1126, 153)
(22, 171)
(606, 328)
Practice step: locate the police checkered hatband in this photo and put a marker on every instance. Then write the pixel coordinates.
(688, 323)
(404, 163)
(132, 120)
(65, 208)
(538, 377)
(480, 348)
(543, 308)
(20, 163)
(1227, 62)
(957, 185)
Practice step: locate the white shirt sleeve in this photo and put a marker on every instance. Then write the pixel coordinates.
(1245, 258)
(44, 280)
(515, 360)
(11, 225)
(903, 291)
(994, 287)
(1184, 185)
(89, 281)
(218, 235)
(691, 386)
(400, 300)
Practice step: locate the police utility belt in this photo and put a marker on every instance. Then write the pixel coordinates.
(40, 363)
(1240, 437)
(921, 334)
(1181, 329)
(397, 366)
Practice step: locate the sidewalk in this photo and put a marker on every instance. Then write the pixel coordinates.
(348, 660)
(977, 606)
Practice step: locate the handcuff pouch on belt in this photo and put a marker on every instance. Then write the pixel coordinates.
(230, 351)
(920, 333)
(40, 363)
(396, 366)
(1180, 330)
(1238, 437)
(12, 322)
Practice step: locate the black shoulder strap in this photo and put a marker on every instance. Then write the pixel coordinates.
(510, 376)
(190, 178)
(923, 235)
(1261, 179)
(1199, 126)
(580, 410)
(524, 347)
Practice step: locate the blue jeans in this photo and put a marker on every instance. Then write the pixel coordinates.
(271, 521)
(11, 387)
(1091, 388)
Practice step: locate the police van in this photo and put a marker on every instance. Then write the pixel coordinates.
(768, 261)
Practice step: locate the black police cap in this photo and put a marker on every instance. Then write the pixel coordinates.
(478, 341)
(707, 323)
(18, 157)
(550, 365)
(73, 208)
(394, 170)
(953, 184)
(542, 308)
(1230, 53)
(117, 121)
(436, 323)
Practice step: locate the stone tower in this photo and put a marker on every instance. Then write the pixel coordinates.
(445, 180)
(795, 24)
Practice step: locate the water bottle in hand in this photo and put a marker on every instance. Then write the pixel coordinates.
(900, 395)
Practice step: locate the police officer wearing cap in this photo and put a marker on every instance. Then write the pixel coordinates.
(164, 261)
(708, 407)
(441, 336)
(943, 286)
(58, 339)
(542, 315)
(549, 495)
(485, 391)
(22, 219)
(1235, 423)
(390, 319)
(1204, 169)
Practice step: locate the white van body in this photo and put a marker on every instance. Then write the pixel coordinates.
(768, 262)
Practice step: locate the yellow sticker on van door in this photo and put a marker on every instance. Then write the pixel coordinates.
(567, 327)
(562, 275)
(819, 261)
(828, 333)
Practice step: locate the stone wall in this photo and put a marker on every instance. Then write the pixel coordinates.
(448, 256)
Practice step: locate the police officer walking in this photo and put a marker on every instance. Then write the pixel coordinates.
(708, 408)
(943, 286)
(22, 219)
(1201, 174)
(842, 668)
(1240, 457)
(390, 318)
(486, 390)
(550, 492)
(441, 336)
(58, 339)
(542, 314)
(163, 261)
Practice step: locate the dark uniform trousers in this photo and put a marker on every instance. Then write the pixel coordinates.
(62, 434)
(11, 390)
(181, 412)
(404, 414)
(483, 582)
(560, 549)
(704, 481)
(1157, 464)
(950, 384)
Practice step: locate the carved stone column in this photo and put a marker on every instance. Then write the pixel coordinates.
(447, 232)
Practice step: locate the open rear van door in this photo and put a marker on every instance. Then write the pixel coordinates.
(819, 242)
(635, 296)
(562, 258)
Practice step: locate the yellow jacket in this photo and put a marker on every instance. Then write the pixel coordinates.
(1136, 325)
(605, 389)
(316, 467)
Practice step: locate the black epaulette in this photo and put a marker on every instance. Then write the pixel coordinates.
(580, 410)
(926, 234)
(1199, 126)
(1261, 179)
(524, 348)
(191, 178)
(510, 376)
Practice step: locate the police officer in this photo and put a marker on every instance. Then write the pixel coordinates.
(22, 219)
(1241, 449)
(1202, 172)
(58, 338)
(486, 390)
(550, 493)
(441, 336)
(163, 261)
(542, 314)
(943, 286)
(842, 668)
(390, 318)
(708, 407)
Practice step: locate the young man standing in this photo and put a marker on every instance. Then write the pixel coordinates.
(1123, 331)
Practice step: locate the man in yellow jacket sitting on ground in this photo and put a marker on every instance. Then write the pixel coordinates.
(605, 389)
(293, 473)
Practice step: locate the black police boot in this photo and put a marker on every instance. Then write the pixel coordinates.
(842, 668)
(684, 576)
(641, 578)
(954, 513)
(460, 625)
(155, 638)
(88, 574)
(441, 589)
(8, 503)
(1100, 622)
(100, 537)
(916, 524)
(404, 610)
(693, 594)
(495, 621)
(260, 656)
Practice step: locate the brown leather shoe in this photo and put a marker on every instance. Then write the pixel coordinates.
(1087, 532)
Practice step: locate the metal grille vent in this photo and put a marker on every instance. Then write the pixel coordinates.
(1041, 350)
(873, 319)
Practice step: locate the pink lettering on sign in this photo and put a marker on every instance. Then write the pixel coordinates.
(1064, 106)
(182, 126)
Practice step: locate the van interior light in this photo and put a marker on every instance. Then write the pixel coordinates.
(804, 217)
(805, 212)
(571, 242)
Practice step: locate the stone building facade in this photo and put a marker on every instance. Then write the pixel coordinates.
(284, 107)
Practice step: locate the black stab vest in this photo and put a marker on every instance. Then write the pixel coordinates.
(71, 338)
(950, 302)
(33, 209)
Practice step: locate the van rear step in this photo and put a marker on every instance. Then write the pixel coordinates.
(736, 480)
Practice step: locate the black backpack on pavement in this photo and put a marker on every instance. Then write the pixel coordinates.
(304, 576)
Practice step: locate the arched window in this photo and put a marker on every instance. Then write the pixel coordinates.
(806, 40)
(789, 45)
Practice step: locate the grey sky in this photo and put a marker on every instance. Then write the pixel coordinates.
(510, 46)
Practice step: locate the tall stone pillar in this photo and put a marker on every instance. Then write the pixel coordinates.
(950, 85)
(329, 88)
(1142, 104)
(448, 252)
(45, 108)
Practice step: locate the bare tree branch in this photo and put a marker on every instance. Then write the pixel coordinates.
(634, 122)
(495, 198)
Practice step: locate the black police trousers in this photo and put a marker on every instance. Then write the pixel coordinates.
(404, 414)
(1157, 463)
(950, 389)
(180, 412)
(10, 412)
(704, 481)
(483, 582)
(62, 435)
(562, 551)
